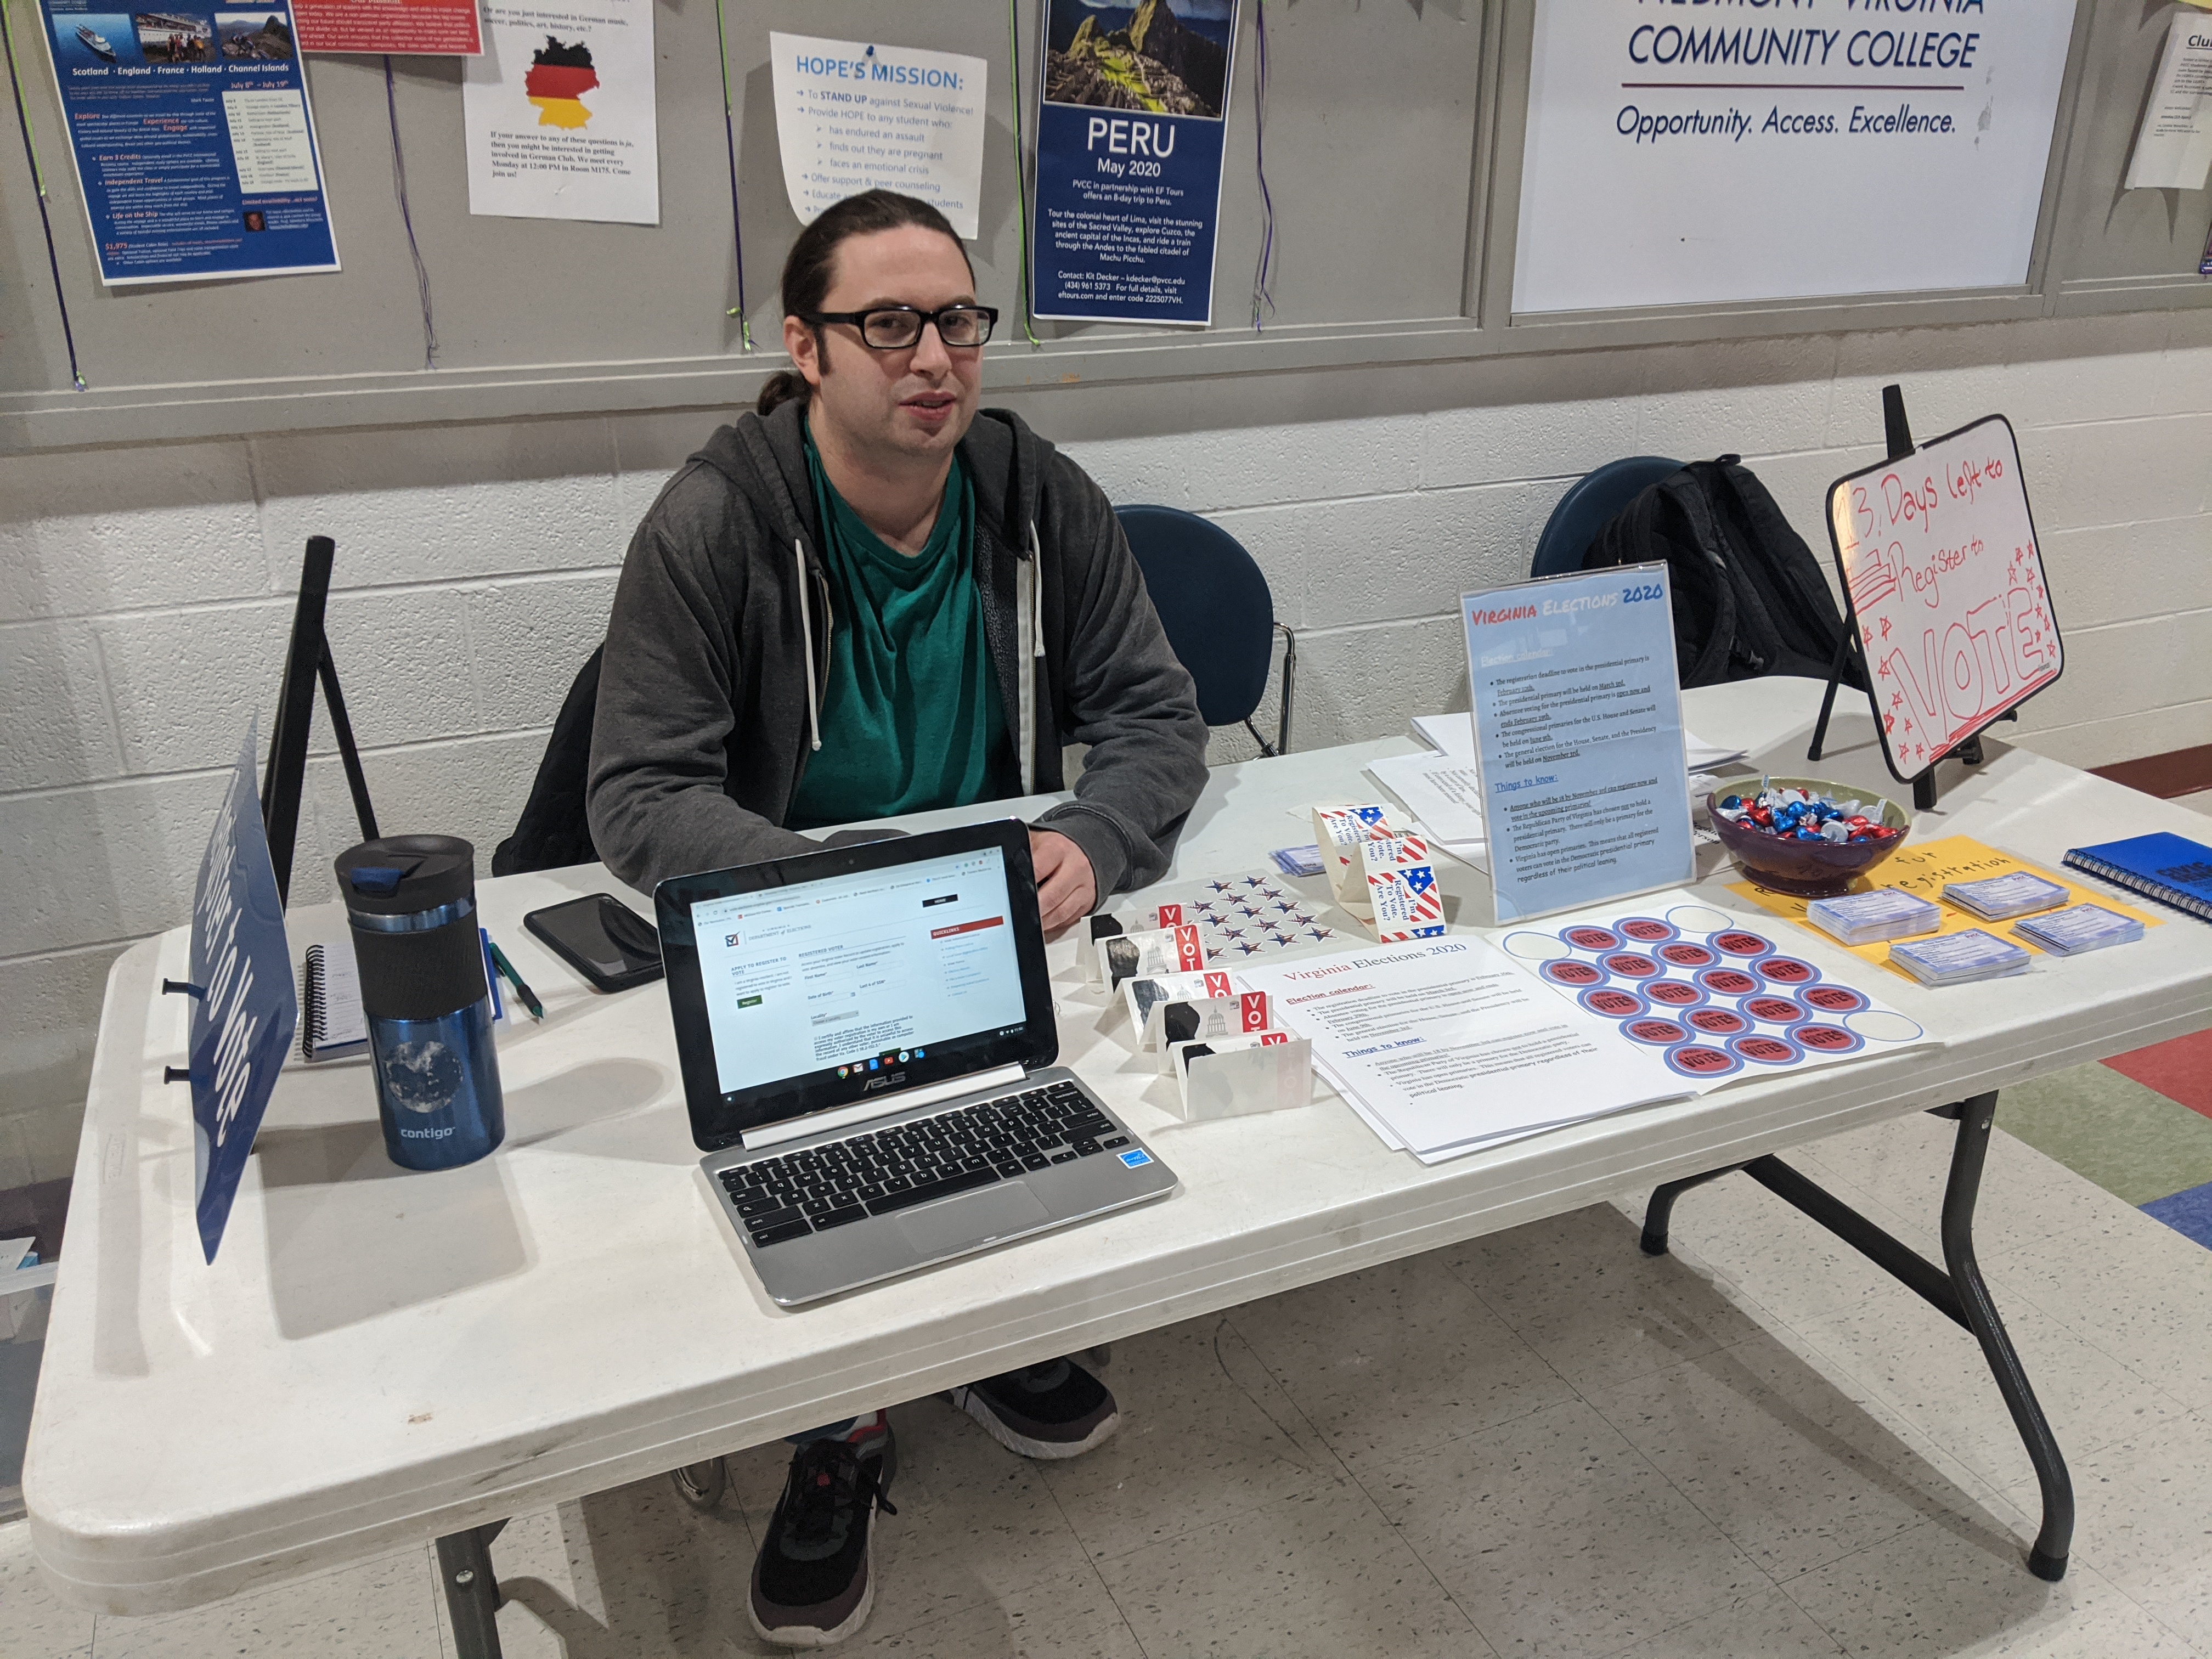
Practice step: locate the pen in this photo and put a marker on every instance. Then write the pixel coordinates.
(521, 988)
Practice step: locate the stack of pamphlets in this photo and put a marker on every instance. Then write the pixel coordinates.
(1960, 958)
(2000, 898)
(1870, 918)
(2079, 927)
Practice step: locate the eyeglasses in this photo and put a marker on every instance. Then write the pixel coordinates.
(894, 328)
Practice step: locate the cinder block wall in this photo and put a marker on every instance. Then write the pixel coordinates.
(143, 592)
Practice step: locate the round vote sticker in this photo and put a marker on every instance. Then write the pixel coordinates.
(1686, 955)
(1702, 1059)
(1613, 1003)
(1835, 998)
(1592, 939)
(1655, 1031)
(1629, 965)
(1736, 943)
(1775, 1010)
(1572, 974)
(1828, 1039)
(1765, 1050)
(1787, 970)
(1727, 981)
(1673, 993)
(1648, 930)
(1719, 1022)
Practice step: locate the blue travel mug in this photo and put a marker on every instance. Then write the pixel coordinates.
(412, 903)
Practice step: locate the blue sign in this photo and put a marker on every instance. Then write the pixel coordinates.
(1129, 146)
(248, 1008)
(1578, 739)
(194, 144)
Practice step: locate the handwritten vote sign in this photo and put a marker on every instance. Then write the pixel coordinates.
(1938, 555)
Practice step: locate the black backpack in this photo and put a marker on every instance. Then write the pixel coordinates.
(1747, 594)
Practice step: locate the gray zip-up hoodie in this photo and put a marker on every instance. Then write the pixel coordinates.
(718, 658)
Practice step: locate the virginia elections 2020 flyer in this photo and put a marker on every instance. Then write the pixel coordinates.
(194, 143)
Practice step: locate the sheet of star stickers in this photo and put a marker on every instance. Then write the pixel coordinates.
(1239, 917)
(1716, 997)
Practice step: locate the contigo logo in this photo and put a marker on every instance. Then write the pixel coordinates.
(426, 1134)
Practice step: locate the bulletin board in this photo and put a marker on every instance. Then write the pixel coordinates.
(1393, 139)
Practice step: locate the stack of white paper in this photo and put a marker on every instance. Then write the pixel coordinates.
(1454, 734)
(1447, 1047)
(1441, 793)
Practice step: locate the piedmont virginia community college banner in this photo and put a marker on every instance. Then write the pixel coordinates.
(1691, 153)
(1129, 148)
(195, 149)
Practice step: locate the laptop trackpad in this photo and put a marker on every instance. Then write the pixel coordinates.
(974, 1218)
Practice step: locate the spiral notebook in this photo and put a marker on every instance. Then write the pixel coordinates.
(2171, 869)
(331, 1024)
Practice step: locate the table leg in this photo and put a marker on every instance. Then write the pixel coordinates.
(472, 1596)
(1960, 1293)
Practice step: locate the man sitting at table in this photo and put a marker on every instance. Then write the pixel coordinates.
(865, 600)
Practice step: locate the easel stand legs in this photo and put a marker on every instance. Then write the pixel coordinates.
(1960, 1293)
(472, 1596)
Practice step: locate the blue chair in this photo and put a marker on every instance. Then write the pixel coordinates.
(1587, 507)
(1218, 614)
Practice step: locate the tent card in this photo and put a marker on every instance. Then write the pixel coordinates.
(1232, 1076)
(1162, 951)
(1402, 895)
(1146, 992)
(1714, 998)
(1172, 1019)
(1938, 552)
(1338, 832)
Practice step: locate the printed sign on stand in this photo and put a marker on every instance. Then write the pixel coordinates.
(244, 1006)
(1938, 555)
(1129, 142)
(1578, 739)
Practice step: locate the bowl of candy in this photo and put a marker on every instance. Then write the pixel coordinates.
(1804, 837)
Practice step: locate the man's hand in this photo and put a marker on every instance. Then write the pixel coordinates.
(1066, 889)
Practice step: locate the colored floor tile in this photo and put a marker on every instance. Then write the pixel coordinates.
(2180, 1070)
(2188, 1212)
(2133, 1141)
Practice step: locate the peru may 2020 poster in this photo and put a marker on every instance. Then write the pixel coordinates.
(560, 113)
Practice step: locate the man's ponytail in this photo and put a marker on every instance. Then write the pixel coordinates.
(785, 386)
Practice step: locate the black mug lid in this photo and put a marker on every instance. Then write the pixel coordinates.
(401, 875)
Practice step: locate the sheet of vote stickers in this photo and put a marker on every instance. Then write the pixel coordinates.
(1241, 917)
(1713, 998)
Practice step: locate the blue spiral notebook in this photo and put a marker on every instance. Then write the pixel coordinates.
(2171, 869)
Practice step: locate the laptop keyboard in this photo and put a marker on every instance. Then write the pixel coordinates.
(780, 1199)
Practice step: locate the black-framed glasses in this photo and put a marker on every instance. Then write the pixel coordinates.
(894, 328)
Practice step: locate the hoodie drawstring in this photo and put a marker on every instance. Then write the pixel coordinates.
(1029, 637)
(807, 636)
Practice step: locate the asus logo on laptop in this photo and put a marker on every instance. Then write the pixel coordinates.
(875, 1083)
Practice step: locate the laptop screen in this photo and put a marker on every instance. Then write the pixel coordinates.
(822, 980)
(858, 972)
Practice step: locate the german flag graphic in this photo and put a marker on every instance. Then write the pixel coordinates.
(558, 78)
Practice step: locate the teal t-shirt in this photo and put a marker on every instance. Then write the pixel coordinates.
(912, 720)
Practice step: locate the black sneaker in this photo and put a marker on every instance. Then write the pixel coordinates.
(1053, 1410)
(813, 1580)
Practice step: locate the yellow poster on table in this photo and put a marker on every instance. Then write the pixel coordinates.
(1921, 870)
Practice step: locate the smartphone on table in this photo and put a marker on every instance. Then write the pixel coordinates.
(602, 939)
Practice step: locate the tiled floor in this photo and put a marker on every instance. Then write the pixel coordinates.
(1539, 1445)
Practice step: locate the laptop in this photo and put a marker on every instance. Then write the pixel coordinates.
(866, 1038)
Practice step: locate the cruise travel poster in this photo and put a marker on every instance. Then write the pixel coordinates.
(422, 27)
(559, 112)
(193, 140)
(1129, 141)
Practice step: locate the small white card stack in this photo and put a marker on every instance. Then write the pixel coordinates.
(1870, 918)
(2000, 898)
(2079, 927)
(1960, 958)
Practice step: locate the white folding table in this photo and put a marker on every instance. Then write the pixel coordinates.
(377, 1358)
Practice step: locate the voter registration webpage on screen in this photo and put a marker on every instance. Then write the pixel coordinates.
(840, 972)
